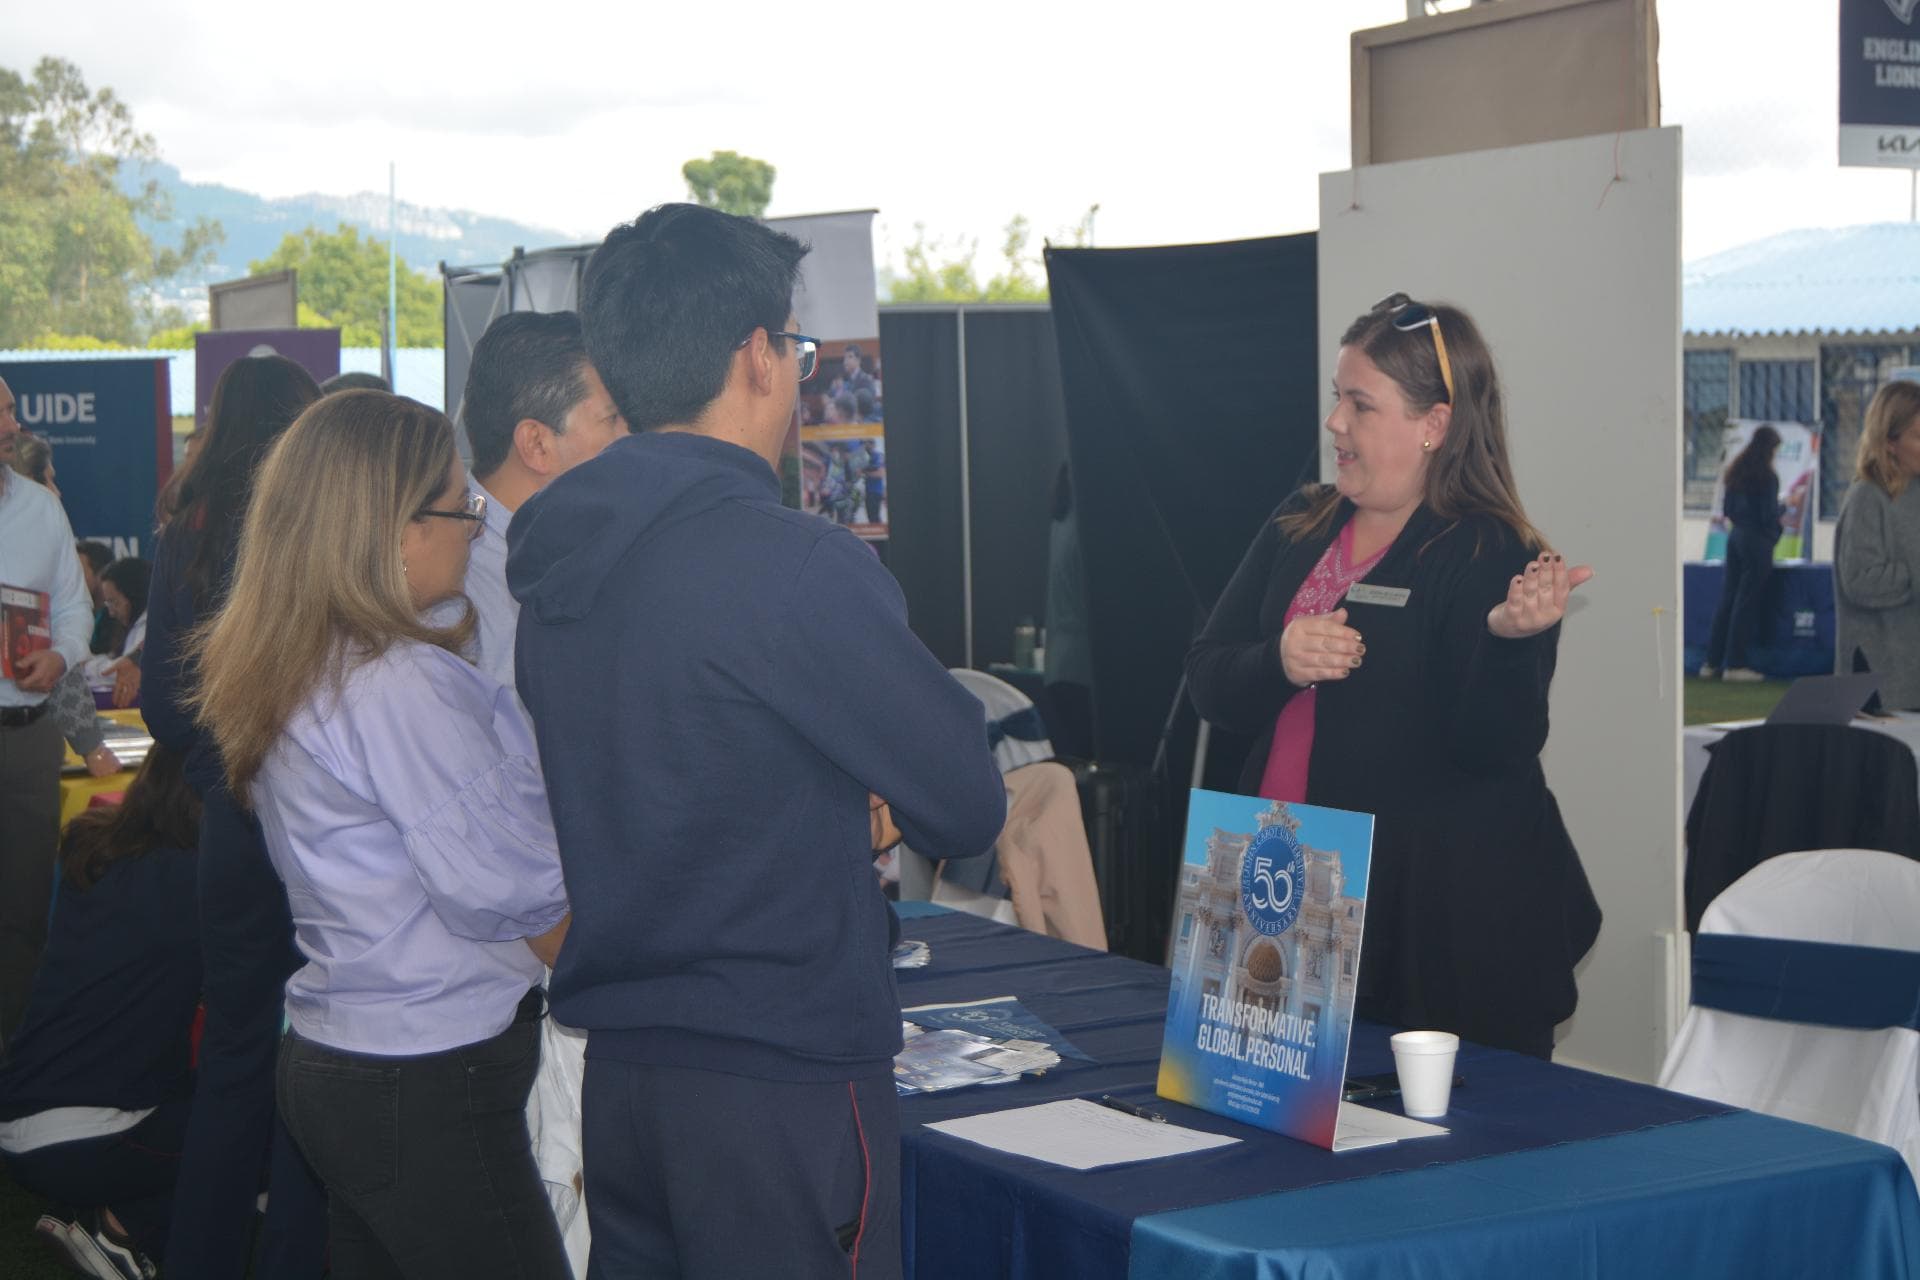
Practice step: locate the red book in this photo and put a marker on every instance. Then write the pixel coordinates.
(26, 626)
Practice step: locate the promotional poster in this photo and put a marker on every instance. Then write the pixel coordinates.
(1797, 463)
(110, 427)
(1267, 932)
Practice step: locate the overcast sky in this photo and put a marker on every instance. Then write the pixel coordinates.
(1186, 122)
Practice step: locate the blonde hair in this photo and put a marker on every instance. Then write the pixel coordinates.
(319, 585)
(1469, 473)
(1892, 411)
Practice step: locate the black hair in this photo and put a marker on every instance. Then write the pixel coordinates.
(256, 399)
(159, 810)
(1747, 473)
(669, 297)
(354, 381)
(528, 364)
(97, 554)
(131, 577)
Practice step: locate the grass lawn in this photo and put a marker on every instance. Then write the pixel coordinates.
(1710, 701)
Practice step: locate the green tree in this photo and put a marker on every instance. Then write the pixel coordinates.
(343, 284)
(73, 259)
(937, 273)
(731, 183)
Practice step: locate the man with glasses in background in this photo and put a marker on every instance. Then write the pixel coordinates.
(533, 409)
(49, 618)
(685, 645)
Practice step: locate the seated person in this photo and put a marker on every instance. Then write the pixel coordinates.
(97, 1081)
(123, 590)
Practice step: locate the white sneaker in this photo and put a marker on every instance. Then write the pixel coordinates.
(1709, 672)
(106, 1256)
(1742, 675)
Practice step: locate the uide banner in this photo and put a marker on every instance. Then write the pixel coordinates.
(1267, 931)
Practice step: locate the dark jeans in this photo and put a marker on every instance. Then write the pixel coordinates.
(29, 837)
(234, 1135)
(427, 1162)
(706, 1176)
(131, 1173)
(1735, 621)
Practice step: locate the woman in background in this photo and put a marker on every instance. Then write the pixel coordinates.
(1477, 906)
(401, 798)
(1876, 551)
(124, 587)
(246, 933)
(96, 1088)
(1753, 514)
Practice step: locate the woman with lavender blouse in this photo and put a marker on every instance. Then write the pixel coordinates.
(402, 804)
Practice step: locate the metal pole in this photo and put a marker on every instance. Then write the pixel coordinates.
(966, 488)
(393, 236)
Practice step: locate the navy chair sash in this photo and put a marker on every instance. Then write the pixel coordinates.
(1820, 983)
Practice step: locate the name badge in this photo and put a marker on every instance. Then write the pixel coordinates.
(1391, 597)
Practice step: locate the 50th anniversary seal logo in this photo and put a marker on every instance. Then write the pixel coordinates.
(1273, 879)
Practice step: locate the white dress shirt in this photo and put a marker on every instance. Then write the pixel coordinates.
(36, 553)
(494, 607)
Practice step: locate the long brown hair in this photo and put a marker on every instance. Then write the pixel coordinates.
(256, 399)
(1892, 413)
(1469, 473)
(1748, 471)
(319, 585)
(160, 810)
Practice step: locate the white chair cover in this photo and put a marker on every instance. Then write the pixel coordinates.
(553, 1123)
(1866, 1083)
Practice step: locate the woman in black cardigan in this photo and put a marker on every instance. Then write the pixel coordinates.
(1390, 639)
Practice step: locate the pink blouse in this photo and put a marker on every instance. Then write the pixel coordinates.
(1286, 773)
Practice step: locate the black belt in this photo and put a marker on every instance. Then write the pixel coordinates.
(21, 717)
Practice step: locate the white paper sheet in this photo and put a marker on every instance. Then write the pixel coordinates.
(1361, 1127)
(1079, 1134)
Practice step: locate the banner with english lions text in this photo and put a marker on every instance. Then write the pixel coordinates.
(1267, 930)
(110, 427)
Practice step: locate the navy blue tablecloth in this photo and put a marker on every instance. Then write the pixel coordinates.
(1796, 618)
(971, 1212)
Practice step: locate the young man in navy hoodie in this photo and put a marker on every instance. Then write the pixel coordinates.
(684, 648)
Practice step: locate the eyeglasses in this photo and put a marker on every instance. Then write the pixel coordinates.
(1409, 315)
(806, 348)
(473, 510)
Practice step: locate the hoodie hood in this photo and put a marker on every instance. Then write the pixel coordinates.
(566, 539)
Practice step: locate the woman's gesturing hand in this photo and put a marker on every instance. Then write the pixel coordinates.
(1537, 598)
(1316, 647)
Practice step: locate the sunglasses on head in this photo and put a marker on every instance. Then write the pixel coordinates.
(1408, 316)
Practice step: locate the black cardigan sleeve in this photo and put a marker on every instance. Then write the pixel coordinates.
(1233, 669)
(1499, 714)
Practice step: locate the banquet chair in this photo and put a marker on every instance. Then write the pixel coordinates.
(1806, 996)
(1773, 788)
(1040, 873)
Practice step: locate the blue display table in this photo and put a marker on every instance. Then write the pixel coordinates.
(1796, 618)
(1547, 1171)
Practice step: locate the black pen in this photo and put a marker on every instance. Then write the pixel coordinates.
(1138, 1113)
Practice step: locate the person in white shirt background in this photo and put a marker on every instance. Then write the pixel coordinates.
(36, 554)
(534, 408)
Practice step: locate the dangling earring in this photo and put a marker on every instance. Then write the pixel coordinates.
(403, 566)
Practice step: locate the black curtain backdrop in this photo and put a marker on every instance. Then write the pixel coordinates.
(1016, 438)
(919, 353)
(1190, 379)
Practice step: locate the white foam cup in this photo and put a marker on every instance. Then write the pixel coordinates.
(1424, 1061)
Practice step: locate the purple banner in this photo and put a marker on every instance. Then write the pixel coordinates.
(315, 350)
